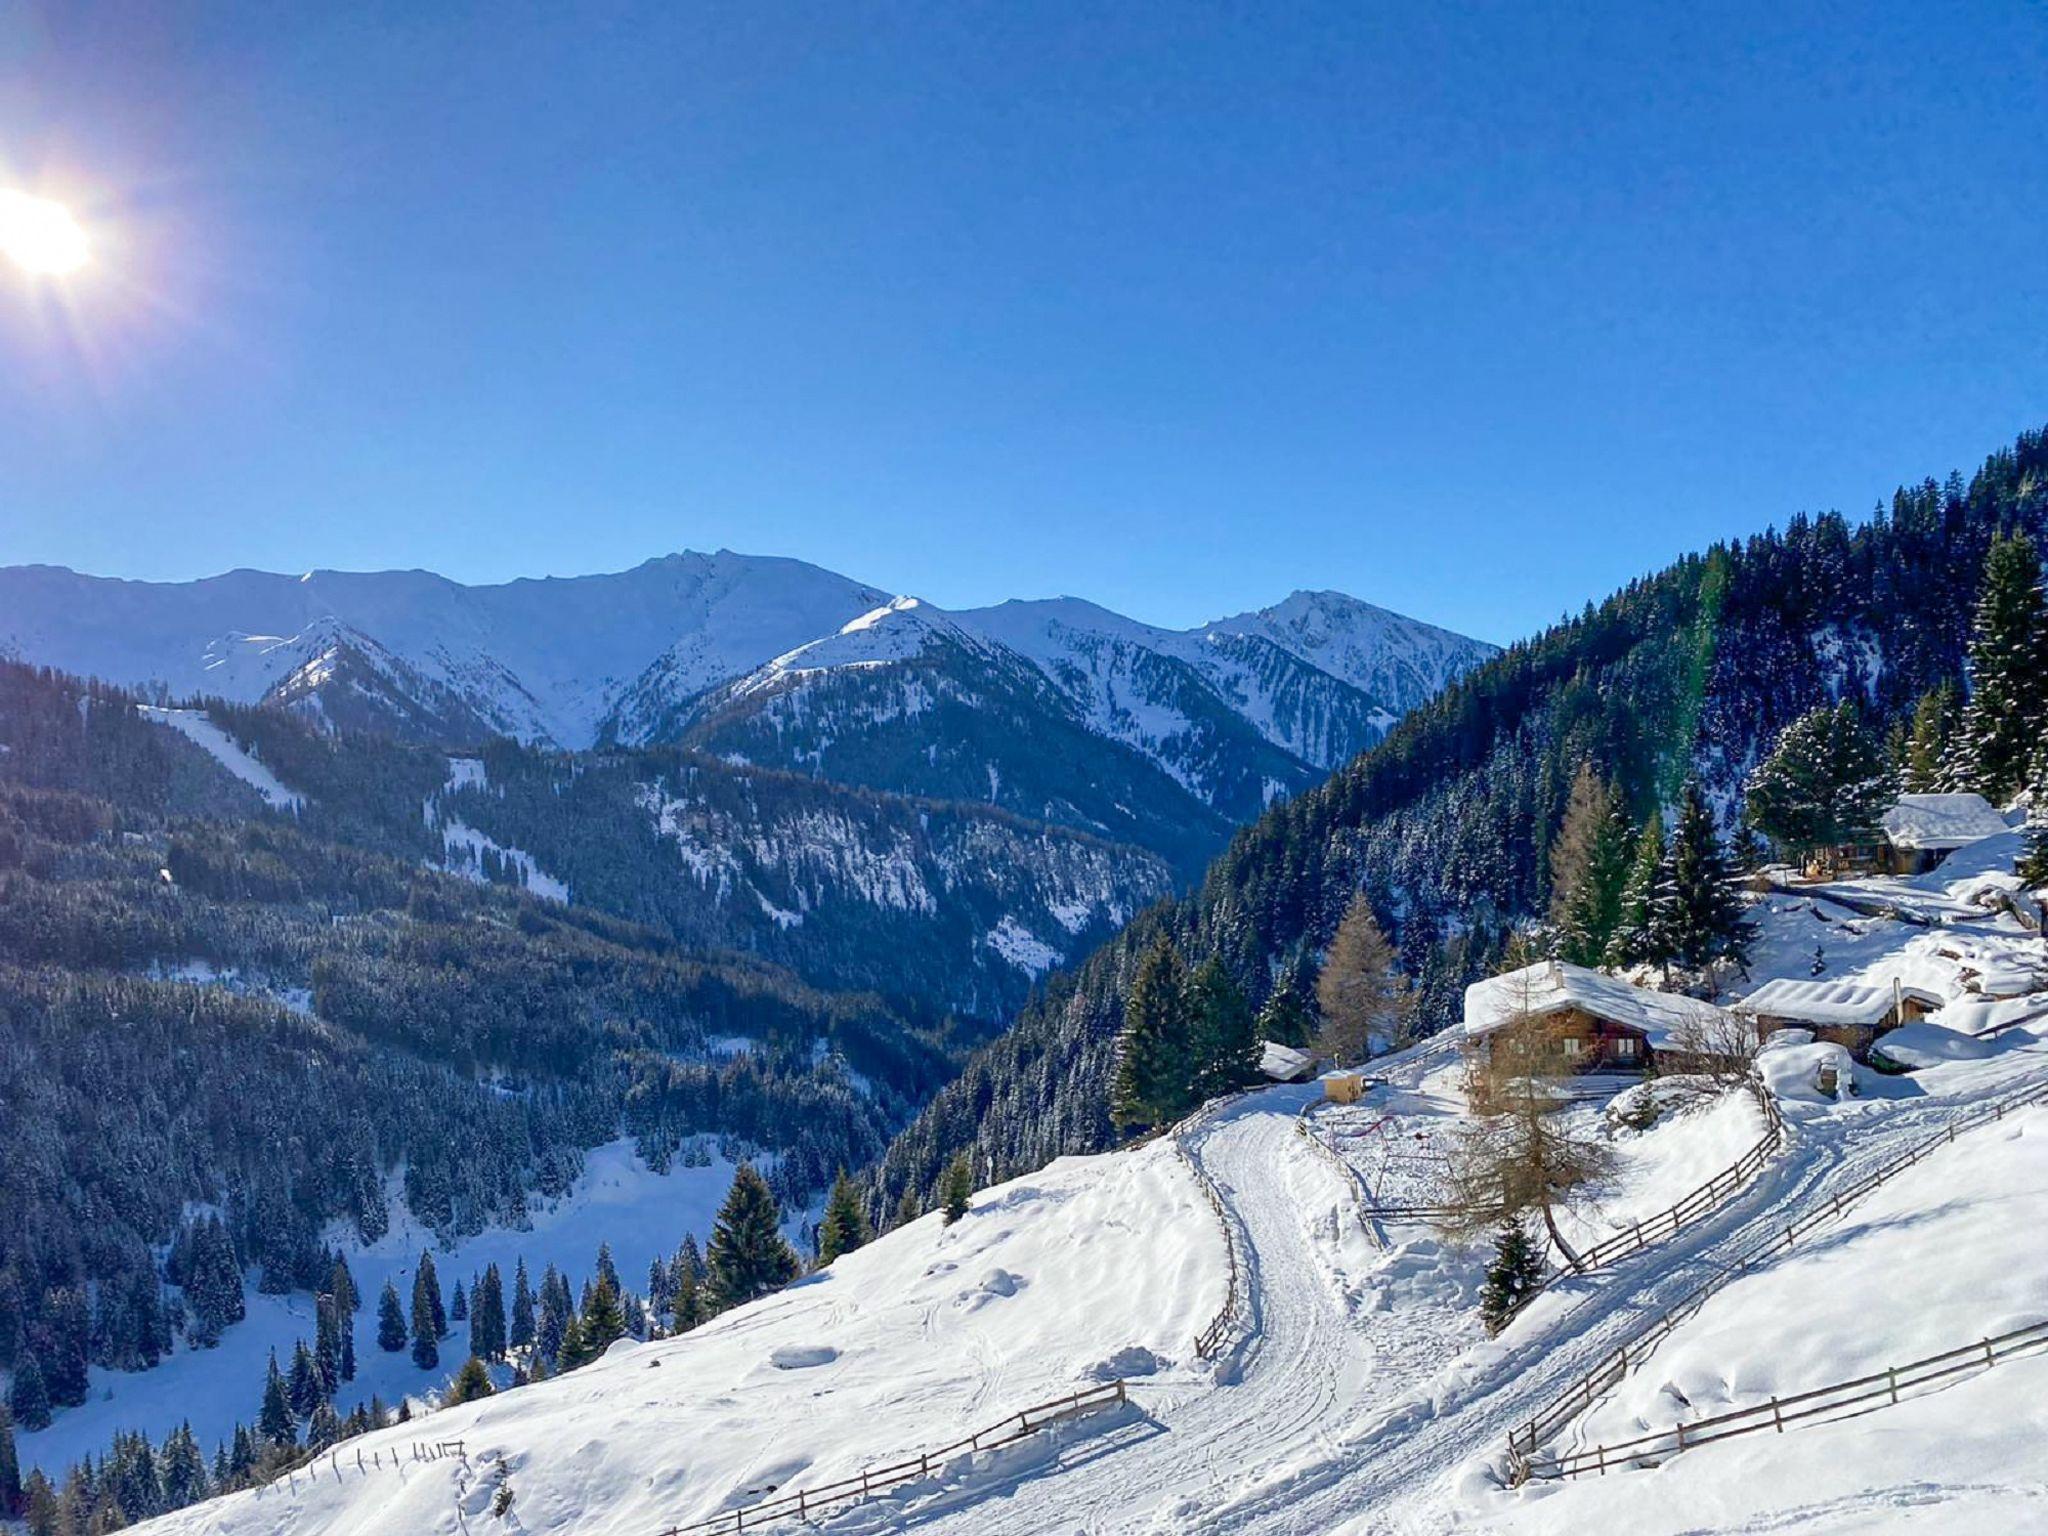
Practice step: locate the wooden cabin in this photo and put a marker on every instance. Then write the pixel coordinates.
(1922, 830)
(1572, 1019)
(1848, 1013)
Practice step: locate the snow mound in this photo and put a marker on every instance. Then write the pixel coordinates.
(801, 1357)
(1797, 1070)
(1928, 1045)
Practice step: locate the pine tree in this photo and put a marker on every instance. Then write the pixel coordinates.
(390, 1320)
(607, 1270)
(554, 1315)
(275, 1421)
(458, 1305)
(521, 1332)
(1588, 869)
(1643, 936)
(748, 1255)
(574, 1351)
(183, 1469)
(426, 1303)
(1824, 783)
(907, 1209)
(29, 1397)
(67, 1348)
(2007, 710)
(845, 1226)
(1707, 920)
(1360, 990)
(957, 1189)
(1151, 1086)
(1223, 1034)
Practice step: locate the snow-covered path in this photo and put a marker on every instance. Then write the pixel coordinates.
(1332, 1416)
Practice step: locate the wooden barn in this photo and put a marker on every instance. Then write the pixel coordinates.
(1922, 830)
(1849, 1013)
(1575, 1019)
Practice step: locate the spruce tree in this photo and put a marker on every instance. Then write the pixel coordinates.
(907, 1208)
(390, 1320)
(1285, 1018)
(275, 1421)
(845, 1226)
(458, 1305)
(2007, 710)
(748, 1255)
(470, 1383)
(487, 1316)
(521, 1332)
(426, 1302)
(10, 1469)
(1151, 1084)
(1643, 935)
(1934, 719)
(554, 1315)
(1516, 1272)
(302, 1386)
(574, 1351)
(1823, 784)
(1708, 924)
(1223, 1033)
(2033, 861)
(427, 1283)
(28, 1399)
(183, 1469)
(957, 1189)
(604, 1317)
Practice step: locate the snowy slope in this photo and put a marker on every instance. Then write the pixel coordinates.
(1355, 1392)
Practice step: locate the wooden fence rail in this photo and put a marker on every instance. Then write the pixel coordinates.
(1361, 1197)
(1882, 1387)
(344, 1458)
(1581, 1395)
(870, 1481)
(1209, 1342)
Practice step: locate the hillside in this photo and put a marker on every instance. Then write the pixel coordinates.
(1447, 824)
(1352, 1388)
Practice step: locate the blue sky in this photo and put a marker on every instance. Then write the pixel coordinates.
(1472, 310)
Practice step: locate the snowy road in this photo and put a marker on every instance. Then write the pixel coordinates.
(1332, 1415)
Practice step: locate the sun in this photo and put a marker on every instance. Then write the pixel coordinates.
(39, 236)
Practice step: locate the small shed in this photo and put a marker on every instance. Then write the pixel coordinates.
(1848, 1013)
(1591, 1021)
(1345, 1087)
(1922, 830)
(1285, 1064)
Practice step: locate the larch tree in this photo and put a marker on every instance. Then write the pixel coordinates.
(1588, 868)
(2007, 710)
(1360, 990)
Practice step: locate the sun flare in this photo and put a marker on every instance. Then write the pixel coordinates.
(39, 236)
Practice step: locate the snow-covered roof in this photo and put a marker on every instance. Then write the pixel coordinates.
(1284, 1064)
(1937, 822)
(1831, 1002)
(1552, 986)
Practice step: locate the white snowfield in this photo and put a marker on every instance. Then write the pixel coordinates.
(194, 726)
(1356, 1392)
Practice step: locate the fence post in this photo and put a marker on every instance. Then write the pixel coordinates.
(1777, 1418)
(1892, 1375)
(1989, 1357)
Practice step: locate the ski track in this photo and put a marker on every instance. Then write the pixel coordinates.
(1324, 1417)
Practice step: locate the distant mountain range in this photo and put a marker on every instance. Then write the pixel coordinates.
(1057, 710)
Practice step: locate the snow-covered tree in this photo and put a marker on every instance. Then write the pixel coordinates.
(2007, 712)
(1642, 935)
(748, 1256)
(1223, 1033)
(1515, 1273)
(1708, 924)
(391, 1333)
(1151, 1084)
(1823, 784)
(1588, 869)
(845, 1226)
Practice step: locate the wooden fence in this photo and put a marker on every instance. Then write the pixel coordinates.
(1882, 1388)
(340, 1459)
(1361, 1197)
(806, 1502)
(1581, 1395)
(1209, 1342)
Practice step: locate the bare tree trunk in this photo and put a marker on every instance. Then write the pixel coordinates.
(1571, 1255)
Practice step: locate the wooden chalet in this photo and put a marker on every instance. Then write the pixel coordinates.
(1848, 1013)
(1582, 1020)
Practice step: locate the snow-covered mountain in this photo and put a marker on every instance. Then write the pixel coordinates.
(1058, 710)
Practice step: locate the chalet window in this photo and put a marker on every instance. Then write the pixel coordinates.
(1571, 1046)
(1625, 1048)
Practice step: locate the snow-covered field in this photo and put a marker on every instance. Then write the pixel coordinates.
(617, 1200)
(1357, 1392)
